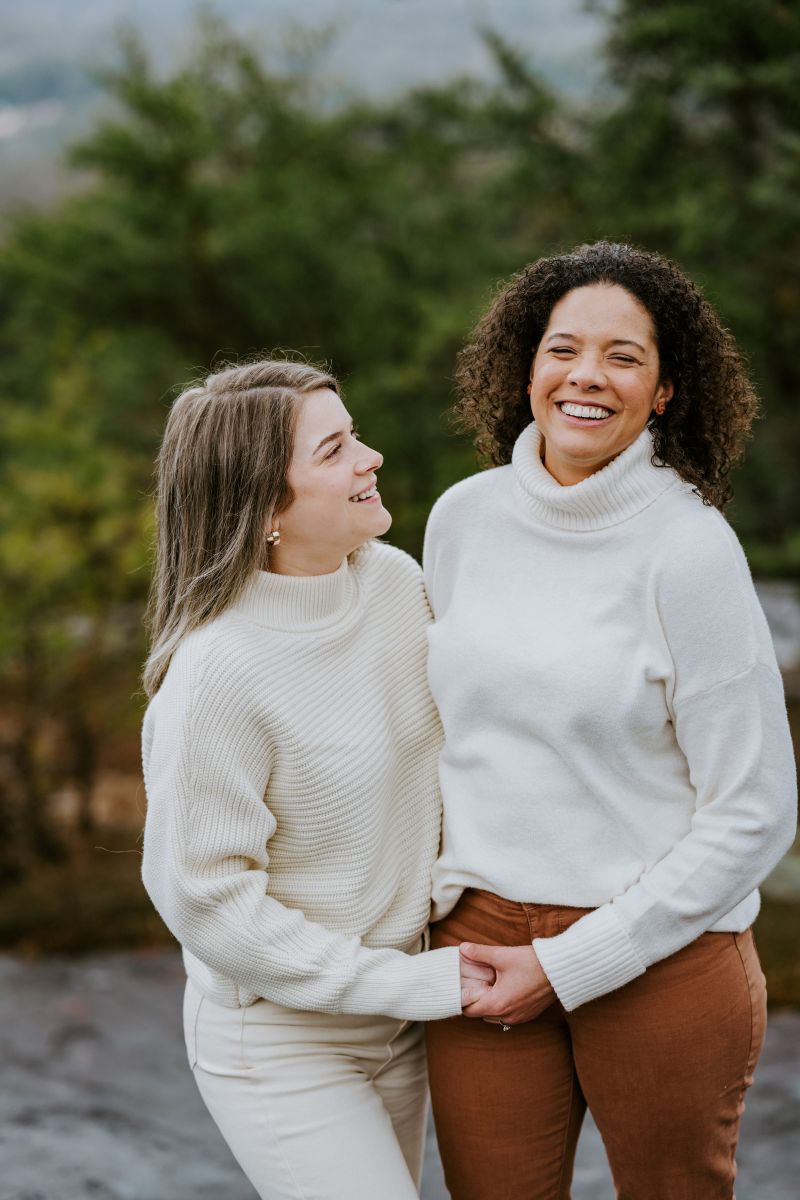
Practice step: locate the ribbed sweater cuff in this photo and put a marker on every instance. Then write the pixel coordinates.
(422, 987)
(592, 957)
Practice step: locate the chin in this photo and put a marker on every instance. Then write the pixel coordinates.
(381, 525)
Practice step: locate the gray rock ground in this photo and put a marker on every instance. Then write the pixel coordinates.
(97, 1102)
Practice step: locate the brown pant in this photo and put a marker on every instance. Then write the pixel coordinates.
(662, 1063)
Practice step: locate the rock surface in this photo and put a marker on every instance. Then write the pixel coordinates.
(97, 1102)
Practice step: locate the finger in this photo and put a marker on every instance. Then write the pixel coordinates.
(481, 954)
(493, 1003)
(471, 993)
(482, 1006)
(478, 987)
(476, 970)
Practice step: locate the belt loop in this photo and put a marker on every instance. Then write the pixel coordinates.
(531, 914)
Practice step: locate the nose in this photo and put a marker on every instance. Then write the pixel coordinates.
(587, 374)
(368, 459)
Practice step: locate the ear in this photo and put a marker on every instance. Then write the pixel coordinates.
(665, 391)
(529, 385)
(662, 397)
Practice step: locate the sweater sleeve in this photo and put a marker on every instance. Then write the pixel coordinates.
(207, 754)
(729, 717)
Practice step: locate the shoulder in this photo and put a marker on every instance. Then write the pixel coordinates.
(213, 714)
(695, 542)
(704, 591)
(452, 528)
(217, 668)
(391, 579)
(377, 560)
(461, 501)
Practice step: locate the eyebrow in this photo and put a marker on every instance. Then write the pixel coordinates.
(616, 342)
(332, 437)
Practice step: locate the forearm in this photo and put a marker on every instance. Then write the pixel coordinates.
(744, 776)
(276, 952)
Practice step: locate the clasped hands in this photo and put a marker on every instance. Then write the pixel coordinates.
(503, 984)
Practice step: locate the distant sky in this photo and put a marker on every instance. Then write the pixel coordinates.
(381, 47)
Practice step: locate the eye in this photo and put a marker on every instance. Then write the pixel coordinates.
(337, 446)
(626, 359)
(562, 350)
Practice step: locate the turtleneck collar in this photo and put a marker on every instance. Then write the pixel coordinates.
(626, 486)
(300, 603)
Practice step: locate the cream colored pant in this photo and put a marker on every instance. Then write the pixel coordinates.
(313, 1106)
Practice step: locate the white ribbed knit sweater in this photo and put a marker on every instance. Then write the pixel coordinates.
(293, 808)
(615, 729)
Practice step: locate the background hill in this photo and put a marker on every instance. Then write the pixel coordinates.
(49, 50)
(231, 187)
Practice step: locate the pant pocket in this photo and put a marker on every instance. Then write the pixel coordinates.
(757, 986)
(192, 1003)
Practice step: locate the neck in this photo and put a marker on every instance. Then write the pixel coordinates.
(597, 499)
(569, 473)
(289, 560)
(301, 602)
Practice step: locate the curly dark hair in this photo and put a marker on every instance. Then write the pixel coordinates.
(704, 428)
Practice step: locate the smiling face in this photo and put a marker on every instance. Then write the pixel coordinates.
(336, 505)
(594, 379)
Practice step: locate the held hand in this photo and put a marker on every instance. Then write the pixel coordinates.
(476, 981)
(521, 991)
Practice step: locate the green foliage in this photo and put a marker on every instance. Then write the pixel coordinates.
(700, 158)
(230, 210)
(233, 208)
(94, 902)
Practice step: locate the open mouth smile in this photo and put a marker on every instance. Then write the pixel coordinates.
(364, 497)
(585, 413)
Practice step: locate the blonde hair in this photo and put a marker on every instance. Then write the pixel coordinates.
(221, 478)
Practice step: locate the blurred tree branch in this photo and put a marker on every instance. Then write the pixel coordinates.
(233, 206)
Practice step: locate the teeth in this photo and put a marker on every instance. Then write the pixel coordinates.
(364, 495)
(584, 410)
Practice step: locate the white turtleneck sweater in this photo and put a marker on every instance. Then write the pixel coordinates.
(293, 808)
(615, 728)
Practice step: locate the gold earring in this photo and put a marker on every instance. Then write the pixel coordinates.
(662, 404)
(274, 538)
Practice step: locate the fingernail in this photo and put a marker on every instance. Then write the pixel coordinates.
(466, 947)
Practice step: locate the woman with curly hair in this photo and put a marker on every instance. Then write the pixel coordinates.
(617, 771)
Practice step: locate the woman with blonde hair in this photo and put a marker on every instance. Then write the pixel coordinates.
(293, 815)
